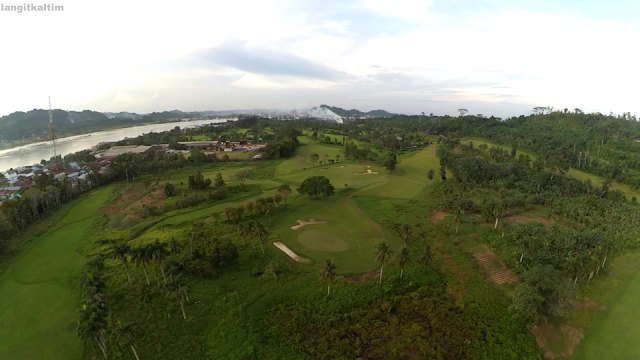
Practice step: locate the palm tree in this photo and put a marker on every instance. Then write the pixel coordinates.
(383, 253)
(241, 230)
(406, 232)
(174, 246)
(269, 211)
(159, 253)
(403, 260)
(457, 219)
(178, 289)
(124, 334)
(425, 256)
(141, 257)
(215, 216)
(328, 273)
(250, 206)
(260, 232)
(121, 252)
(178, 267)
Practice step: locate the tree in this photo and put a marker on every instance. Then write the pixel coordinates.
(198, 181)
(337, 158)
(301, 160)
(174, 246)
(169, 190)
(285, 191)
(316, 185)
(121, 252)
(196, 155)
(391, 162)
(125, 336)
(457, 219)
(403, 260)
(443, 173)
(425, 256)
(219, 182)
(430, 175)
(314, 159)
(328, 273)
(383, 254)
(277, 199)
(141, 256)
(260, 233)
(462, 112)
(241, 176)
(178, 290)
(159, 253)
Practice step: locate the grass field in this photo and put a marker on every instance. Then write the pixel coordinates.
(38, 290)
(291, 165)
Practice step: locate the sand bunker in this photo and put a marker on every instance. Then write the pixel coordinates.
(322, 170)
(341, 166)
(369, 172)
(291, 254)
(305, 223)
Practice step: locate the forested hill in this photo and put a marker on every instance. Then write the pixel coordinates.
(34, 124)
(354, 112)
(604, 145)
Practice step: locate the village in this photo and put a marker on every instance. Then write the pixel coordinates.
(17, 180)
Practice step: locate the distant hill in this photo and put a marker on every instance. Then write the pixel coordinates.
(34, 125)
(356, 113)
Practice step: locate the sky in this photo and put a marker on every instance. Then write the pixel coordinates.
(492, 57)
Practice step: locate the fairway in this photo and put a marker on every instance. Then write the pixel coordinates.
(617, 336)
(38, 291)
(348, 237)
(290, 165)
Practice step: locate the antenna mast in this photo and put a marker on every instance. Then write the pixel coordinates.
(52, 135)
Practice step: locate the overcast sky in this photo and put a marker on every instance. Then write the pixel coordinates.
(499, 57)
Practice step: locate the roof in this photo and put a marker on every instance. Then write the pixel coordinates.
(198, 143)
(119, 150)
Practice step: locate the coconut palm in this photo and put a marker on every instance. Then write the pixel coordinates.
(406, 232)
(121, 252)
(174, 246)
(457, 219)
(159, 253)
(260, 233)
(178, 289)
(328, 273)
(425, 256)
(250, 206)
(141, 256)
(241, 230)
(124, 334)
(178, 267)
(383, 253)
(403, 260)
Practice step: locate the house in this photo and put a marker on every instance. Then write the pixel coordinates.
(203, 145)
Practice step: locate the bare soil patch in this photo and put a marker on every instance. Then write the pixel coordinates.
(587, 303)
(290, 253)
(303, 223)
(360, 278)
(437, 216)
(496, 270)
(571, 337)
(519, 219)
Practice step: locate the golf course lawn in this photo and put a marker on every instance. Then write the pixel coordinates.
(348, 237)
(39, 289)
(617, 336)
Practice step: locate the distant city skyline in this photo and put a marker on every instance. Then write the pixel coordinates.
(491, 57)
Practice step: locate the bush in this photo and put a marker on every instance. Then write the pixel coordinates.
(219, 194)
(188, 201)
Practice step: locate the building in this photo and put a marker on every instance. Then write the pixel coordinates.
(203, 145)
(129, 149)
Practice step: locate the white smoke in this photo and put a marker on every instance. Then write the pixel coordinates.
(70, 117)
(74, 165)
(325, 114)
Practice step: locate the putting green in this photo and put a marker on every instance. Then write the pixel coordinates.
(320, 240)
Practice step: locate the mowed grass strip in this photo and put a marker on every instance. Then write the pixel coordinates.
(617, 336)
(38, 291)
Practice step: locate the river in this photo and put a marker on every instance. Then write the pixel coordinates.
(33, 153)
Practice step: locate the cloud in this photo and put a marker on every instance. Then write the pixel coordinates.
(236, 54)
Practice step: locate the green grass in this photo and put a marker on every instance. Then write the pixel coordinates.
(290, 165)
(39, 292)
(322, 241)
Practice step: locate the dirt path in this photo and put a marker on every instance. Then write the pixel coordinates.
(291, 254)
(519, 219)
(303, 223)
(437, 216)
(496, 270)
